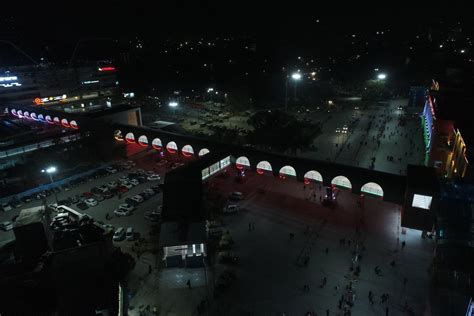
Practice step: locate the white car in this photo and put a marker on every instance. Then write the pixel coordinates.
(135, 182)
(149, 192)
(126, 207)
(91, 202)
(6, 207)
(231, 208)
(123, 178)
(122, 212)
(6, 226)
(128, 185)
(154, 177)
(137, 198)
(338, 130)
(111, 170)
(112, 185)
(119, 234)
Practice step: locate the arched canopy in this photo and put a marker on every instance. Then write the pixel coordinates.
(264, 166)
(13, 111)
(26, 114)
(33, 116)
(172, 147)
(341, 181)
(203, 152)
(64, 122)
(242, 162)
(143, 141)
(313, 175)
(20, 113)
(372, 188)
(41, 117)
(130, 138)
(74, 125)
(288, 171)
(117, 134)
(56, 120)
(49, 119)
(157, 144)
(187, 150)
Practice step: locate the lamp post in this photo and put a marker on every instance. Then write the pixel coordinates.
(173, 104)
(295, 76)
(50, 171)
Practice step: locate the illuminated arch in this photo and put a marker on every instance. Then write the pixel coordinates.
(64, 123)
(56, 120)
(117, 134)
(372, 188)
(187, 150)
(242, 162)
(13, 111)
(33, 116)
(157, 144)
(20, 113)
(171, 147)
(130, 138)
(341, 182)
(49, 119)
(26, 114)
(41, 117)
(203, 152)
(75, 126)
(143, 141)
(287, 171)
(312, 175)
(263, 166)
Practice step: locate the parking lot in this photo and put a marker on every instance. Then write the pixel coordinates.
(82, 191)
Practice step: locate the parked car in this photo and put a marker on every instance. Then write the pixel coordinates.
(104, 188)
(99, 197)
(6, 226)
(112, 184)
(149, 192)
(119, 234)
(128, 185)
(66, 202)
(137, 198)
(16, 203)
(123, 178)
(82, 205)
(236, 196)
(131, 163)
(127, 207)
(231, 208)
(162, 162)
(96, 190)
(91, 202)
(26, 199)
(153, 216)
(156, 188)
(134, 182)
(130, 234)
(111, 170)
(87, 194)
(108, 195)
(122, 212)
(154, 177)
(75, 199)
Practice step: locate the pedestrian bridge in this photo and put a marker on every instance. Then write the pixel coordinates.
(389, 187)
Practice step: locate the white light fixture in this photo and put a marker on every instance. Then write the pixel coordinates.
(49, 170)
(382, 76)
(296, 76)
(173, 104)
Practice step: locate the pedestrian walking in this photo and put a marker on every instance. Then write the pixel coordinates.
(189, 283)
(149, 269)
(250, 226)
(292, 236)
(386, 311)
(327, 312)
(320, 198)
(403, 244)
(327, 250)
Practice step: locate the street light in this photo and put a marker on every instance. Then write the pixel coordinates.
(381, 76)
(173, 104)
(50, 171)
(295, 76)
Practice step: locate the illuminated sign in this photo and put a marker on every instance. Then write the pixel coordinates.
(109, 68)
(215, 167)
(422, 201)
(10, 81)
(39, 101)
(90, 82)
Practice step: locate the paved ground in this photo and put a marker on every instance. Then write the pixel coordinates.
(271, 275)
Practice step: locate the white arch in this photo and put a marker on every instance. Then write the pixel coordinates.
(20, 113)
(288, 171)
(56, 120)
(74, 125)
(26, 114)
(313, 175)
(172, 147)
(242, 161)
(130, 137)
(187, 150)
(33, 116)
(264, 165)
(49, 119)
(64, 122)
(341, 181)
(143, 140)
(13, 111)
(203, 152)
(157, 144)
(372, 188)
(41, 117)
(117, 134)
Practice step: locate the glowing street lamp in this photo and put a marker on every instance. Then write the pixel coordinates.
(50, 171)
(381, 76)
(173, 104)
(296, 76)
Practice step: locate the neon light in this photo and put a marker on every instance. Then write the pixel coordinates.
(37, 101)
(172, 147)
(260, 171)
(11, 78)
(306, 181)
(110, 68)
(187, 154)
(74, 124)
(13, 111)
(239, 166)
(90, 81)
(65, 123)
(33, 116)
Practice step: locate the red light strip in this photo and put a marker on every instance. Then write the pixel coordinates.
(106, 68)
